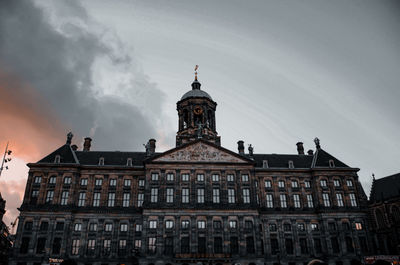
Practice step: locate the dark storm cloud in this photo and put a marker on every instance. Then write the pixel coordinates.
(55, 62)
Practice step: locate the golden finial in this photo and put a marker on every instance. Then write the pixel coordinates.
(195, 72)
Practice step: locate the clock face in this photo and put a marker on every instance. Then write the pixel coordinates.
(197, 110)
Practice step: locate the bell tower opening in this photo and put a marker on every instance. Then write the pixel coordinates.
(196, 111)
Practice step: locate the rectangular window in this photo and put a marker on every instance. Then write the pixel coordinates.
(301, 227)
(269, 200)
(24, 245)
(98, 182)
(140, 199)
(307, 184)
(232, 224)
(185, 195)
(77, 227)
(349, 183)
(169, 245)
(303, 246)
(170, 195)
(335, 245)
(295, 184)
(215, 195)
(310, 202)
(67, 180)
(336, 183)
(185, 245)
(282, 198)
(37, 180)
(274, 246)
(323, 183)
(56, 245)
(107, 246)
(281, 184)
(250, 244)
(35, 194)
(230, 177)
(268, 184)
(215, 177)
(141, 182)
(84, 182)
(82, 199)
(359, 226)
(93, 227)
(108, 227)
(170, 177)
(325, 198)
(231, 196)
(153, 224)
(339, 199)
(152, 245)
(234, 245)
(185, 224)
(314, 227)
(64, 197)
(154, 176)
(52, 180)
(185, 177)
(201, 224)
(218, 245)
(127, 183)
(124, 228)
(91, 246)
(200, 195)
(111, 199)
(272, 228)
(126, 199)
(96, 199)
(138, 243)
(113, 182)
(246, 196)
(217, 225)
(201, 245)
(296, 200)
(200, 177)
(353, 200)
(169, 224)
(317, 245)
(289, 246)
(138, 228)
(154, 195)
(287, 227)
(75, 246)
(49, 196)
(245, 178)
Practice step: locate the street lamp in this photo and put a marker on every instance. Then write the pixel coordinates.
(6, 159)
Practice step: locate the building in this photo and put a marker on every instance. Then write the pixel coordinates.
(5, 242)
(197, 203)
(384, 209)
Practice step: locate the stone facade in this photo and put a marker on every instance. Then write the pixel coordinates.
(196, 203)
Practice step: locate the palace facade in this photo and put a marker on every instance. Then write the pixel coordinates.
(198, 203)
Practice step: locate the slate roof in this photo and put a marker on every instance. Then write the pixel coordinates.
(322, 159)
(66, 156)
(282, 161)
(111, 158)
(385, 188)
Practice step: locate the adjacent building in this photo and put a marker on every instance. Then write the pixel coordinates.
(5, 241)
(197, 203)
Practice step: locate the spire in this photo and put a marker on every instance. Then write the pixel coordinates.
(196, 84)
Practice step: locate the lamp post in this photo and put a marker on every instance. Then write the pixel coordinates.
(6, 159)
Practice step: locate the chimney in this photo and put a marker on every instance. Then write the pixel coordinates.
(310, 152)
(87, 144)
(241, 147)
(150, 147)
(300, 148)
(74, 147)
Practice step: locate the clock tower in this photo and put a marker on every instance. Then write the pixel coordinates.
(196, 111)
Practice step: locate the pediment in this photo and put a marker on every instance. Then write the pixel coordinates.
(201, 152)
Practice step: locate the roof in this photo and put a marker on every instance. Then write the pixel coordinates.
(196, 93)
(385, 188)
(322, 159)
(66, 155)
(282, 161)
(111, 158)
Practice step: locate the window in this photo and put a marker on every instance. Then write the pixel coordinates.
(140, 199)
(185, 177)
(331, 163)
(67, 180)
(303, 246)
(331, 226)
(301, 227)
(217, 225)
(232, 224)
(336, 183)
(349, 183)
(200, 195)
(274, 246)
(96, 199)
(138, 243)
(317, 245)
(138, 228)
(358, 226)
(307, 184)
(287, 227)
(215, 195)
(230, 177)
(185, 224)
(101, 161)
(169, 245)
(141, 182)
(93, 227)
(349, 244)
(170, 195)
(269, 200)
(152, 244)
(52, 180)
(201, 224)
(265, 163)
(282, 198)
(28, 226)
(57, 159)
(248, 225)
(37, 180)
(218, 245)
(24, 245)
(169, 224)
(296, 200)
(314, 227)
(323, 183)
(345, 226)
(64, 197)
(153, 224)
(84, 182)
(91, 246)
(126, 199)
(201, 241)
(250, 244)
(234, 245)
(231, 196)
(170, 177)
(185, 245)
(98, 182)
(200, 177)
(289, 246)
(113, 182)
(246, 196)
(35, 194)
(325, 198)
(353, 200)
(129, 162)
(272, 228)
(339, 199)
(75, 246)
(154, 176)
(295, 184)
(215, 177)
(124, 228)
(111, 199)
(49, 196)
(245, 178)
(44, 226)
(107, 246)
(108, 227)
(59, 226)
(268, 183)
(154, 195)
(281, 184)
(291, 165)
(310, 201)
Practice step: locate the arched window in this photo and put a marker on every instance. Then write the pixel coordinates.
(57, 159)
(185, 119)
(101, 161)
(380, 218)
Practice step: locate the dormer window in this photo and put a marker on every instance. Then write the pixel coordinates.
(331, 163)
(101, 161)
(57, 159)
(129, 162)
(265, 164)
(291, 165)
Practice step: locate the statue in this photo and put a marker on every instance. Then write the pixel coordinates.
(69, 138)
(316, 141)
(199, 130)
(251, 149)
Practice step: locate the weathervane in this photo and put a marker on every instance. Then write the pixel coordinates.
(195, 72)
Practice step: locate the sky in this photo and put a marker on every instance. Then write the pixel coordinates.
(280, 71)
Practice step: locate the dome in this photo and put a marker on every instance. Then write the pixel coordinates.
(196, 93)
